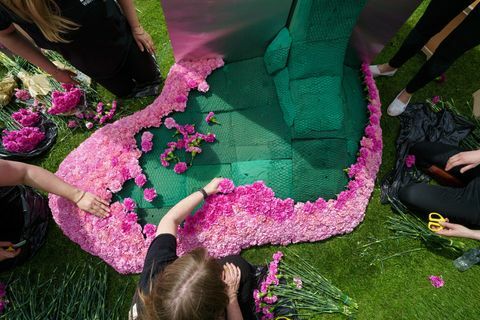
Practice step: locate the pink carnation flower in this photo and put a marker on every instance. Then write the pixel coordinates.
(72, 124)
(23, 95)
(89, 125)
(298, 282)
(169, 123)
(26, 117)
(436, 281)
(210, 138)
(23, 140)
(149, 230)
(436, 99)
(149, 194)
(203, 86)
(210, 118)
(147, 144)
(180, 167)
(64, 102)
(410, 160)
(129, 204)
(140, 180)
(226, 186)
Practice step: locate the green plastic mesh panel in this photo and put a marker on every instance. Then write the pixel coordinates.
(276, 55)
(282, 86)
(318, 168)
(277, 174)
(151, 215)
(320, 107)
(332, 19)
(316, 58)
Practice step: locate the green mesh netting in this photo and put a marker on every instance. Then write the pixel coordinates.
(292, 118)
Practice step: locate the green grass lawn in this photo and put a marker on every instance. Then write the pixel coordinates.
(396, 289)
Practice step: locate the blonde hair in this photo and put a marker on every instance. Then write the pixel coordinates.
(45, 14)
(190, 288)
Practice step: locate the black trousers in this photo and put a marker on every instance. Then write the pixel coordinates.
(460, 205)
(140, 69)
(437, 15)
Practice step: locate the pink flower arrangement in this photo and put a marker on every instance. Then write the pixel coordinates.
(410, 160)
(436, 281)
(140, 180)
(227, 223)
(180, 168)
(264, 300)
(147, 144)
(26, 117)
(149, 194)
(211, 118)
(23, 140)
(22, 94)
(190, 141)
(226, 186)
(65, 101)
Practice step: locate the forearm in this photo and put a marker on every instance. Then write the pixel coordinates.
(178, 213)
(21, 46)
(42, 179)
(128, 8)
(233, 311)
(474, 234)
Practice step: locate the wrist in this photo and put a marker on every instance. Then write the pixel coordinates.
(77, 196)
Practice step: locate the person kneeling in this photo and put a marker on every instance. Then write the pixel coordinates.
(460, 202)
(194, 286)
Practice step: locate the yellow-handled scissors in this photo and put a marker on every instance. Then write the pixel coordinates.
(434, 218)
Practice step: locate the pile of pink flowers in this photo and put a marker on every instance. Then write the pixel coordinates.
(190, 142)
(24, 140)
(64, 102)
(26, 117)
(264, 300)
(226, 224)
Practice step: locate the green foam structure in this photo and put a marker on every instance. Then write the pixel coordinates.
(292, 118)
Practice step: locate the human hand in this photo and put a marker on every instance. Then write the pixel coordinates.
(143, 39)
(64, 76)
(7, 254)
(454, 230)
(231, 276)
(467, 159)
(212, 186)
(93, 204)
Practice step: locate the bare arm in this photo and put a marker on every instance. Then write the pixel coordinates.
(457, 230)
(231, 276)
(21, 46)
(181, 210)
(14, 173)
(142, 38)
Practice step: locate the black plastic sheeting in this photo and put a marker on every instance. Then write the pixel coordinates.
(24, 215)
(50, 130)
(417, 124)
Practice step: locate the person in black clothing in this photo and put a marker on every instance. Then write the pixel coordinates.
(14, 173)
(437, 15)
(461, 203)
(194, 286)
(101, 38)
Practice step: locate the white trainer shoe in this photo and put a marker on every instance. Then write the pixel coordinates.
(397, 107)
(377, 73)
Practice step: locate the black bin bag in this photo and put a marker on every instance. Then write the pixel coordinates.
(24, 215)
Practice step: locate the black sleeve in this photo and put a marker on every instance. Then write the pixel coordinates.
(5, 19)
(162, 251)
